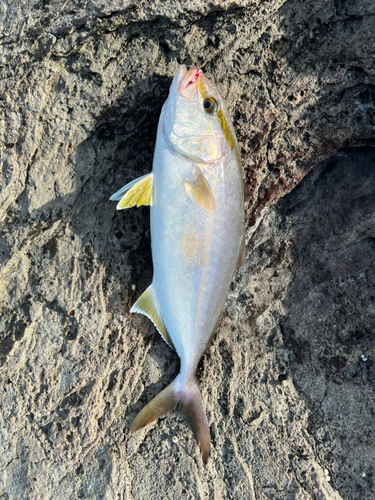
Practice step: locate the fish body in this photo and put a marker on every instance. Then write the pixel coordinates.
(195, 192)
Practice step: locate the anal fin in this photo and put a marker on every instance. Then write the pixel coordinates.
(135, 193)
(148, 305)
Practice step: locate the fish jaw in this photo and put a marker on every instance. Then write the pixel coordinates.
(189, 130)
(189, 84)
(176, 82)
(189, 78)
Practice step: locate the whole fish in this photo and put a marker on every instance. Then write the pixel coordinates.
(195, 192)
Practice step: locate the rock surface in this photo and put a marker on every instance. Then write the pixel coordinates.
(290, 400)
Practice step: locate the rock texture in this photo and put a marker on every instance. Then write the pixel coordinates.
(290, 399)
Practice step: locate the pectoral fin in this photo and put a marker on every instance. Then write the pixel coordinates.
(137, 192)
(199, 191)
(148, 305)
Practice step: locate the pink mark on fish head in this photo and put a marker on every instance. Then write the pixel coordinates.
(190, 78)
(188, 86)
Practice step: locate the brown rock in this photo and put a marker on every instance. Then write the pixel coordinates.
(289, 397)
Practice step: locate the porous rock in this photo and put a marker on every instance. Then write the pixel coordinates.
(288, 381)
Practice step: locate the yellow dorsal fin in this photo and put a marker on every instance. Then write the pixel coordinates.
(147, 304)
(136, 193)
(199, 191)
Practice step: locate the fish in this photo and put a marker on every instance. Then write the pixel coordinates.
(196, 198)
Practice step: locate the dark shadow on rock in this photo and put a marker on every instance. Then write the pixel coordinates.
(329, 319)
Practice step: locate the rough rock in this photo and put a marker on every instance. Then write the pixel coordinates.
(290, 400)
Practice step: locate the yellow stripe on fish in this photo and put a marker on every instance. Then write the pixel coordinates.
(227, 133)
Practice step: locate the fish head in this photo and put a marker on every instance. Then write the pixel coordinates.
(195, 120)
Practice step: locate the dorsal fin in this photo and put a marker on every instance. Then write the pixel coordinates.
(199, 191)
(148, 305)
(137, 192)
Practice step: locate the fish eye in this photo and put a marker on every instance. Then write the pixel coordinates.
(210, 105)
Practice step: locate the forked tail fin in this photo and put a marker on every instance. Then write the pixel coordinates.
(187, 398)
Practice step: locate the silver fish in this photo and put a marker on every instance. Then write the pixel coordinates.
(195, 192)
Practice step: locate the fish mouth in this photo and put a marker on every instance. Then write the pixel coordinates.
(185, 83)
(190, 78)
(189, 83)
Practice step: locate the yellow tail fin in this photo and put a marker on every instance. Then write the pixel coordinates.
(187, 397)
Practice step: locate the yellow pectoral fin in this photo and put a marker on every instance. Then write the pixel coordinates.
(199, 191)
(136, 193)
(147, 304)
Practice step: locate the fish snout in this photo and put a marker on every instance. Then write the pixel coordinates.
(189, 84)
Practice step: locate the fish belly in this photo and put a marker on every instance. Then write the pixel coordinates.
(194, 251)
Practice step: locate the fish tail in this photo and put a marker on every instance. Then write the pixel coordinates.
(193, 408)
(186, 397)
